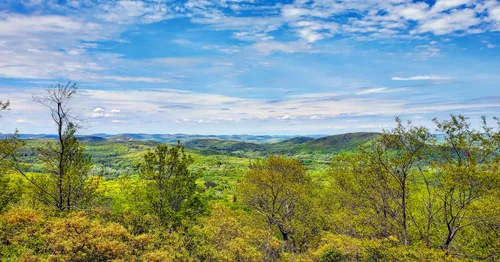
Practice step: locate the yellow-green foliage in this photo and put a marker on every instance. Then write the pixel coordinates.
(31, 235)
(344, 248)
(233, 235)
(227, 208)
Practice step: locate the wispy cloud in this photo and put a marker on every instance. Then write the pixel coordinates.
(149, 107)
(377, 90)
(421, 77)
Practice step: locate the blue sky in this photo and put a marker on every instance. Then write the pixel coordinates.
(250, 66)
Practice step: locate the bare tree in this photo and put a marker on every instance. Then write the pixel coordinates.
(65, 160)
(57, 99)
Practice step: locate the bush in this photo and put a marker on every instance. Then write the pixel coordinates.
(344, 248)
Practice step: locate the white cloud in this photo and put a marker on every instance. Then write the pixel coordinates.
(494, 13)
(421, 77)
(457, 20)
(28, 49)
(488, 44)
(443, 5)
(417, 11)
(293, 13)
(373, 91)
(312, 31)
(127, 12)
(23, 121)
(23, 25)
(100, 112)
(129, 78)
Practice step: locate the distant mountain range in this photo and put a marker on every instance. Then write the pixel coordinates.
(171, 138)
(237, 144)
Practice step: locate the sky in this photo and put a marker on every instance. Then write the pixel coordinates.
(250, 66)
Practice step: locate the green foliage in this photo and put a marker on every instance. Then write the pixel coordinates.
(233, 235)
(279, 189)
(344, 248)
(469, 165)
(9, 187)
(67, 167)
(395, 156)
(172, 193)
(411, 187)
(403, 195)
(32, 235)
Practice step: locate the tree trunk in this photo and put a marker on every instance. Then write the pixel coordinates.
(287, 238)
(60, 203)
(403, 206)
(449, 238)
(68, 198)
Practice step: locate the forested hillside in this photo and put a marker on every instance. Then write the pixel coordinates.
(410, 193)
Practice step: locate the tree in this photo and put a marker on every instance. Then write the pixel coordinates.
(378, 178)
(171, 187)
(65, 162)
(10, 193)
(361, 193)
(277, 189)
(398, 153)
(8, 146)
(72, 189)
(468, 165)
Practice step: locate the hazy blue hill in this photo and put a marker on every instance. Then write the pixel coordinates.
(255, 139)
(91, 139)
(102, 135)
(122, 138)
(37, 136)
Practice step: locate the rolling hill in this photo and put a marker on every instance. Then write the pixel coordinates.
(328, 145)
